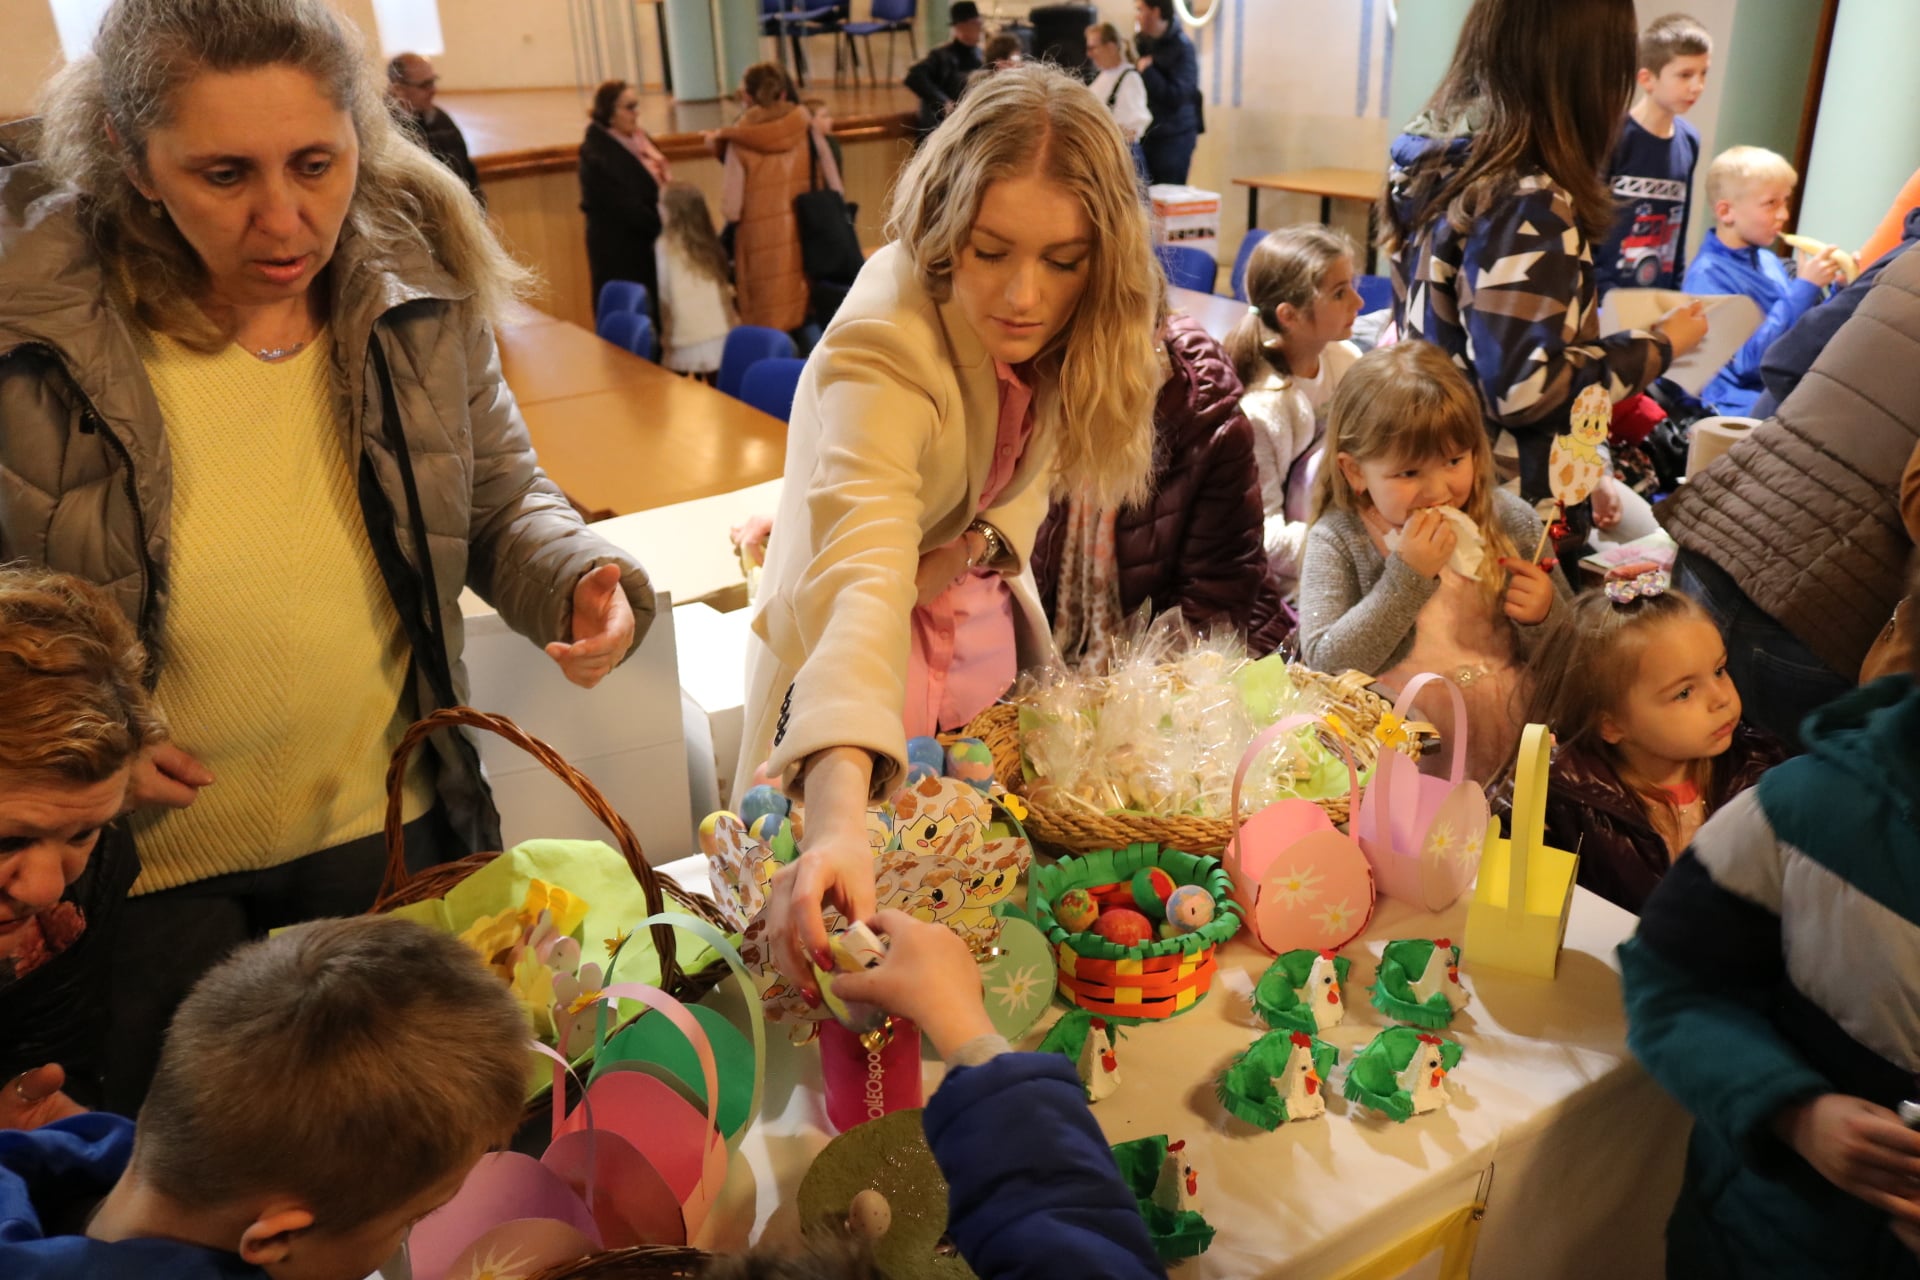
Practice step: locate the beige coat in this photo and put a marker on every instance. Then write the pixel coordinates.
(888, 447)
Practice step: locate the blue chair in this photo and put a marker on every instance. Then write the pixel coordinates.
(1188, 267)
(890, 17)
(769, 385)
(747, 345)
(1376, 293)
(629, 329)
(794, 22)
(1241, 259)
(620, 295)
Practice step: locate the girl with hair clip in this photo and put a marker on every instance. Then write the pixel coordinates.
(696, 297)
(1416, 560)
(1003, 337)
(249, 385)
(1290, 353)
(1496, 195)
(1648, 739)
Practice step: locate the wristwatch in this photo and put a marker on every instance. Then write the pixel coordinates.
(997, 551)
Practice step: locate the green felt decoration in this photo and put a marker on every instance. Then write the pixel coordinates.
(1276, 996)
(1185, 1234)
(1401, 964)
(1246, 1089)
(1373, 1077)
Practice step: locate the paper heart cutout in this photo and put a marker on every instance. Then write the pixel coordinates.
(663, 1127)
(654, 1045)
(631, 1203)
(502, 1186)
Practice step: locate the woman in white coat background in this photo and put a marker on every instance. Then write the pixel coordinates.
(1004, 337)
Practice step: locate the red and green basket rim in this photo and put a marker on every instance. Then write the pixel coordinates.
(1045, 884)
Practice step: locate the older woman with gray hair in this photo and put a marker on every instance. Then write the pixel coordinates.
(249, 384)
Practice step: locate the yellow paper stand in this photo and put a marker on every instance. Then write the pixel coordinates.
(1441, 1250)
(1518, 917)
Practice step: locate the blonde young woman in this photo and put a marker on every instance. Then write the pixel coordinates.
(248, 383)
(1005, 336)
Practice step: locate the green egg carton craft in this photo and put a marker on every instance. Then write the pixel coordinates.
(1402, 1072)
(1303, 990)
(1419, 982)
(1281, 1077)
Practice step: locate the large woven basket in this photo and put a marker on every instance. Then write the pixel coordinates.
(399, 889)
(647, 1262)
(1077, 831)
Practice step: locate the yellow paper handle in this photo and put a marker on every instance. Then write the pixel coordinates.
(1529, 810)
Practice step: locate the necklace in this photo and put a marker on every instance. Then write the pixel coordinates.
(273, 354)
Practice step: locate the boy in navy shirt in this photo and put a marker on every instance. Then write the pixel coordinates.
(1749, 188)
(1653, 160)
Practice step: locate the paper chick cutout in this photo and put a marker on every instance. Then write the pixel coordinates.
(1177, 1189)
(1280, 1077)
(1093, 1044)
(1575, 467)
(1160, 1173)
(1301, 991)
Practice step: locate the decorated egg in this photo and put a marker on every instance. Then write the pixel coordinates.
(761, 801)
(1150, 888)
(926, 751)
(776, 834)
(1189, 907)
(1076, 911)
(869, 1216)
(918, 772)
(1123, 927)
(969, 760)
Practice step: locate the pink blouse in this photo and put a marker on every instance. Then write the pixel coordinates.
(963, 643)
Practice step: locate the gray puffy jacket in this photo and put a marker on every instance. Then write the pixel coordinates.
(1804, 514)
(86, 482)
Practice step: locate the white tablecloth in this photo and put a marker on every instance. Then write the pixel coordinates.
(1585, 1151)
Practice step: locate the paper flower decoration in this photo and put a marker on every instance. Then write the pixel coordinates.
(1301, 991)
(1402, 1073)
(1419, 982)
(1282, 1076)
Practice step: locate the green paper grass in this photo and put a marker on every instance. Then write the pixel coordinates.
(1373, 1078)
(1401, 965)
(1276, 997)
(1246, 1089)
(1045, 884)
(1175, 1236)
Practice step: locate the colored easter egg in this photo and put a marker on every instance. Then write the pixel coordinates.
(1150, 888)
(1189, 907)
(970, 760)
(1124, 927)
(761, 801)
(926, 751)
(1076, 911)
(919, 771)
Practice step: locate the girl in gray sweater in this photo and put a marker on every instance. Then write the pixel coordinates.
(1417, 561)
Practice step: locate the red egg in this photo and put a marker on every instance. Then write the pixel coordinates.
(1124, 927)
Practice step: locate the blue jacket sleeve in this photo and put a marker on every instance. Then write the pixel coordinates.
(1700, 978)
(1033, 1190)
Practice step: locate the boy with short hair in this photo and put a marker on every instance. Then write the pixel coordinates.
(1654, 158)
(320, 1091)
(1749, 189)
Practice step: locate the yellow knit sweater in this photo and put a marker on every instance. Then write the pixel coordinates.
(286, 665)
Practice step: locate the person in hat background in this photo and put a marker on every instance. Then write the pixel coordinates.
(941, 77)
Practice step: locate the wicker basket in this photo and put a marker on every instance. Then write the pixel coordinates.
(1155, 980)
(398, 889)
(1345, 697)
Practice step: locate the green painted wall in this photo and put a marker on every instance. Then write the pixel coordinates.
(1422, 47)
(1867, 140)
(1764, 74)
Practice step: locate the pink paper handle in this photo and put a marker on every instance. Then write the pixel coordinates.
(756, 1018)
(1264, 739)
(1456, 743)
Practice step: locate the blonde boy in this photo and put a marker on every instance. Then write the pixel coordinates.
(1749, 189)
(1653, 160)
(319, 1092)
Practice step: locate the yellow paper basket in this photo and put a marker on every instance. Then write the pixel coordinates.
(1518, 917)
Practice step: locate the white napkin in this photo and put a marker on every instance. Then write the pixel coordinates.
(1469, 549)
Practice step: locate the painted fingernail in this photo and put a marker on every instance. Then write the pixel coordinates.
(811, 996)
(823, 956)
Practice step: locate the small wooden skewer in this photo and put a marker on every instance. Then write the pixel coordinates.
(1545, 533)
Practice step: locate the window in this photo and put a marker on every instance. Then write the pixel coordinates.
(409, 26)
(76, 21)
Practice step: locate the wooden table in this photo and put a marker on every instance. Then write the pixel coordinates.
(1217, 315)
(622, 434)
(1329, 185)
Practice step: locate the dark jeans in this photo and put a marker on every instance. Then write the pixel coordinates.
(1168, 154)
(169, 938)
(1781, 681)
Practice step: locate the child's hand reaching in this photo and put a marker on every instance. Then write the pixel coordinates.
(1862, 1149)
(928, 976)
(1427, 542)
(1529, 591)
(35, 1097)
(1820, 269)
